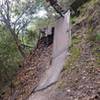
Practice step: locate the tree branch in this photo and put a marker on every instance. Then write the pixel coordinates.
(23, 12)
(24, 45)
(8, 8)
(23, 26)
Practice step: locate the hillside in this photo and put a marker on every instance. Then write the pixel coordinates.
(80, 78)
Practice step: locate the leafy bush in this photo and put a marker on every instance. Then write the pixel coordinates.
(9, 57)
(98, 37)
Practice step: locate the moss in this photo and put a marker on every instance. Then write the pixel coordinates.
(90, 35)
(98, 37)
(73, 19)
(75, 40)
(75, 53)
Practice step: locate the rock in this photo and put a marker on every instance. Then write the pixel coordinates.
(68, 90)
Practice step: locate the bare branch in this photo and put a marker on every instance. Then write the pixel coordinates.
(20, 16)
(23, 26)
(8, 8)
(27, 8)
(4, 12)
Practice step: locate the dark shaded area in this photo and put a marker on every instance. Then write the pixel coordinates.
(56, 6)
(50, 37)
(47, 40)
(52, 2)
(75, 5)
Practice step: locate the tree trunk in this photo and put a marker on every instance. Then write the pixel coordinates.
(18, 44)
(15, 37)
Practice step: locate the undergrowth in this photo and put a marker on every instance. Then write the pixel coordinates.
(74, 56)
(74, 53)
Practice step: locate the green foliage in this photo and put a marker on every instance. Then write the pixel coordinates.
(31, 38)
(98, 37)
(75, 40)
(73, 19)
(9, 57)
(75, 53)
(74, 56)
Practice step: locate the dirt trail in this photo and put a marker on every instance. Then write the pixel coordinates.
(49, 78)
(62, 38)
(52, 74)
(44, 94)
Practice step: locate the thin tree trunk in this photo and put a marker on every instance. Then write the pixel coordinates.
(15, 37)
(18, 44)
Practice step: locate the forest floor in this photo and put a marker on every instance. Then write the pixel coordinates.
(80, 78)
